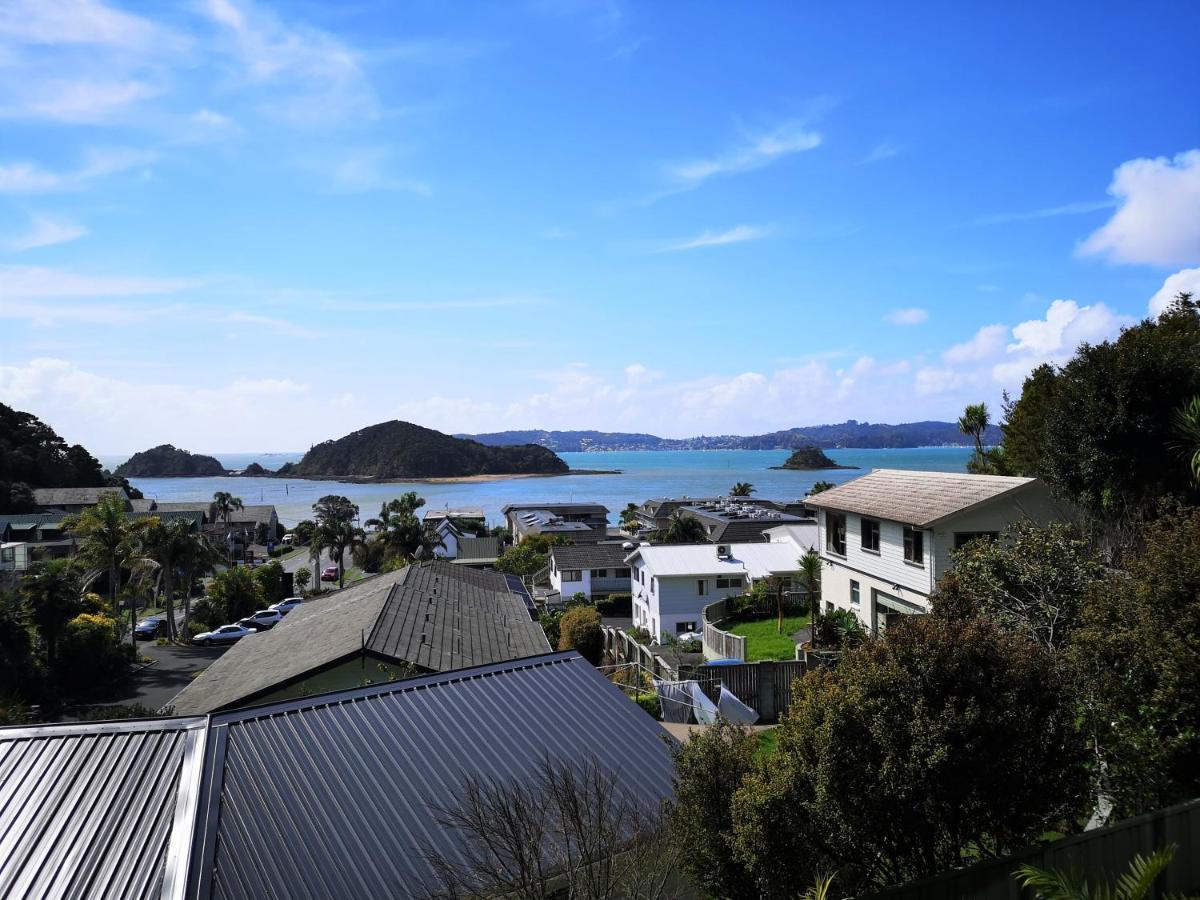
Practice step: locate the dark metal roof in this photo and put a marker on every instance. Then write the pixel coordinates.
(330, 796)
(98, 810)
(483, 549)
(590, 556)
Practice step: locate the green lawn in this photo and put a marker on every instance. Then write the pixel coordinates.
(767, 742)
(765, 641)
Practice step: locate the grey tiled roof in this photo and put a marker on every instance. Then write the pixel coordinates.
(474, 618)
(98, 810)
(141, 504)
(590, 556)
(915, 498)
(74, 496)
(487, 548)
(333, 796)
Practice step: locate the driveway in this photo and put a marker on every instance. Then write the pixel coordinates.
(156, 685)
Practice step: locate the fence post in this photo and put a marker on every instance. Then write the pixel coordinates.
(766, 690)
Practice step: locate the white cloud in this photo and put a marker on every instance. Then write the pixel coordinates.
(1183, 281)
(28, 178)
(34, 282)
(1056, 337)
(736, 235)
(931, 381)
(758, 151)
(1050, 212)
(638, 374)
(1158, 221)
(77, 22)
(365, 170)
(283, 327)
(46, 232)
(908, 316)
(987, 343)
(882, 151)
(210, 119)
(84, 101)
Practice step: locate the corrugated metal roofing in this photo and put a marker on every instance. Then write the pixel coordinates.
(915, 498)
(329, 797)
(758, 560)
(98, 810)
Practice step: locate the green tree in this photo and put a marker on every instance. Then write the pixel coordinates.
(809, 575)
(334, 508)
(304, 531)
(198, 555)
(741, 489)
(820, 487)
(683, 529)
(1136, 883)
(51, 590)
(303, 579)
(1187, 422)
(235, 594)
(898, 762)
(974, 423)
(629, 518)
(270, 578)
(106, 539)
(526, 558)
(224, 504)
(163, 546)
(90, 652)
(337, 536)
(579, 629)
(17, 665)
(710, 768)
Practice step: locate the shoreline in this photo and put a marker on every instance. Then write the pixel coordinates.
(444, 479)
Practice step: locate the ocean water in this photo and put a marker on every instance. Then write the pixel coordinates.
(643, 475)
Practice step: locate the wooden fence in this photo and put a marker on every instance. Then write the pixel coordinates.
(766, 687)
(1099, 853)
(720, 644)
(621, 648)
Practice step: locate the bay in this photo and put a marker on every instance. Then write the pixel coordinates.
(644, 474)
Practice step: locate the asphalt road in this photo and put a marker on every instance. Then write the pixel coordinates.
(156, 685)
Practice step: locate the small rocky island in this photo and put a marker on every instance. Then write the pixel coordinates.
(398, 451)
(808, 458)
(256, 470)
(166, 461)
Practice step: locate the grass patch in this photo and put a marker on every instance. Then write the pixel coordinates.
(763, 639)
(767, 742)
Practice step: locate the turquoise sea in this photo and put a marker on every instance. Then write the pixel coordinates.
(644, 474)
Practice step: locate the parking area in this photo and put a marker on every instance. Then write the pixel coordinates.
(156, 685)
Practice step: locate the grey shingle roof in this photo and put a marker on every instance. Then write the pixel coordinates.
(97, 810)
(915, 498)
(74, 496)
(330, 797)
(590, 556)
(474, 618)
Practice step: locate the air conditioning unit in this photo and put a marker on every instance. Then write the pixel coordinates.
(723, 551)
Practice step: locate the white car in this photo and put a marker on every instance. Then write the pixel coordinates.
(226, 634)
(286, 606)
(263, 620)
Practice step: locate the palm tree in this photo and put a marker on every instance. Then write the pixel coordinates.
(1187, 423)
(105, 536)
(741, 489)
(683, 529)
(52, 592)
(198, 554)
(1136, 883)
(820, 487)
(164, 546)
(629, 519)
(974, 422)
(810, 577)
(224, 503)
(338, 536)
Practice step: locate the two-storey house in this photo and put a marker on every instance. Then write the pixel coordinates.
(594, 570)
(887, 537)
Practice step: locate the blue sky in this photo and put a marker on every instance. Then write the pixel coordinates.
(243, 226)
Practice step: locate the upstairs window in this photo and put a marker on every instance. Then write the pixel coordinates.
(870, 535)
(622, 573)
(914, 546)
(835, 533)
(855, 592)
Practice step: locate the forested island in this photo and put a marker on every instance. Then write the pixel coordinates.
(392, 451)
(32, 455)
(851, 433)
(167, 461)
(807, 458)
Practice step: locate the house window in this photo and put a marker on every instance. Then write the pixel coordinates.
(835, 533)
(962, 538)
(9, 554)
(572, 575)
(914, 546)
(684, 627)
(599, 573)
(855, 592)
(702, 587)
(729, 582)
(870, 535)
(622, 573)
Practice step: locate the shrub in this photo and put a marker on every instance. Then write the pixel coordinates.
(839, 628)
(270, 579)
(640, 634)
(90, 653)
(615, 606)
(550, 624)
(275, 552)
(649, 702)
(579, 630)
(303, 578)
(235, 593)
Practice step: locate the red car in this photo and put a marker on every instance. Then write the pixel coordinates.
(329, 573)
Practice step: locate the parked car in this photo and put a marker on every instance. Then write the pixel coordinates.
(150, 628)
(286, 606)
(263, 620)
(226, 634)
(329, 573)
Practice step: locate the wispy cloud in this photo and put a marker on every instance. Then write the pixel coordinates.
(422, 305)
(82, 101)
(756, 152)
(1050, 212)
(88, 22)
(45, 231)
(364, 170)
(30, 178)
(284, 327)
(30, 282)
(736, 235)
(882, 151)
(908, 316)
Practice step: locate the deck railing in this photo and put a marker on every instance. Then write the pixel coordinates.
(720, 644)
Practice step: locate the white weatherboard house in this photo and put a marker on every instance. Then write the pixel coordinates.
(672, 583)
(887, 537)
(594, 570)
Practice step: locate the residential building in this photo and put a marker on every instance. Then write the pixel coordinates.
(431, 617)
(470, 517)
(14, 556)
(672, 583)
(75, 499)
(578, 522)
(725, 519)
(43, 534)
(887, 537)
(594, 570)
(250, 523)
(478, 553)
(334, 795)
